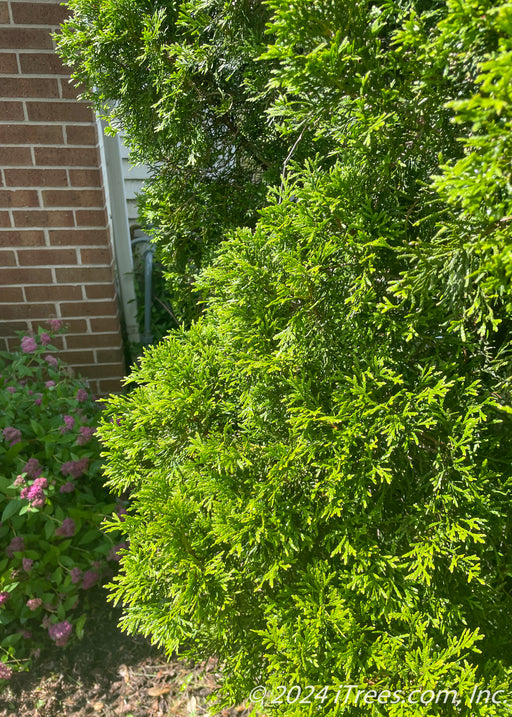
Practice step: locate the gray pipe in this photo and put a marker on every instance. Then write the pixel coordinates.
(147, 336)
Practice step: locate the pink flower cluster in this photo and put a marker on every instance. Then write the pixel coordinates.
(69, 422)
(5, 671)
(86, 433)
(55, 324)
(89, 579)
(81, 395)
(75, 468)
(35, 493)
(113, 553)
(45, 339)
(28, 345)
(68, 487)
(34, 603)
(11, 435)
(3, 598)
(60, 632)
(32, 468)
(67, 528)
(17, 545)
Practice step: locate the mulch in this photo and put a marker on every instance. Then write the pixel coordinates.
(108, 674)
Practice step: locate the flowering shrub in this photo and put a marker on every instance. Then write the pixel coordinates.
(51, 503)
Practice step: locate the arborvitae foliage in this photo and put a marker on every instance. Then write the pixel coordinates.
(184, 82)
(320, 467)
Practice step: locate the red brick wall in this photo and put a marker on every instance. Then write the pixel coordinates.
(55, 249)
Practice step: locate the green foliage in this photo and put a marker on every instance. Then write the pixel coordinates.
(182, 79)
(320, 465)
(52, 503)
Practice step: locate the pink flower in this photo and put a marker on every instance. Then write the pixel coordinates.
(75, 468)
(114, 551)
(34, 493)
(67, 528)
(55, 324)
(81, 395)
(3, 598)
(34, 603)
(90, 578)
(11, 435)
(37, 401)
(11, 389)
(28, 345)
(19, 480)
(45, 339)
(5, 671)
(69, 421)
(17, 545)
(60, 632)
(76, 575)
(86, 433)
(68, 487)
(32, 468)
(51, 360)
(27, 564)
(50, 384)
(26, 634)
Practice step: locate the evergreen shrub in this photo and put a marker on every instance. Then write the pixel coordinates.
(52, 502)
(320, 466)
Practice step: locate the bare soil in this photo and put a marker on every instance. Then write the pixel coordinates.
(109, 674)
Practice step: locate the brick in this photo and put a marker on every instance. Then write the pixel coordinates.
(11, 111)
(107, 386)
(25, 276)
(77, 237)
(7, 258)
(54, 292)
(75, 358)
(46, 257)
(42, 63)
(30, 134)
(11, 294)
(30, 38)
(29, 87)
(93, 341)
(7, 329)
(13, 156)
(75, 326)
(104, 372)
(89, 308)
(78, 134)
(4, 13)
(100, 291)
(22, 238)
(19, 198)
(105, 325)
(35, 177)
(65, 156)
(59, 112)
(81, 275)
(69, 90)
(8, 62)
(73, 198)
(5, 219)
(27, 311)
(85, 177)
(29, 13)
(96, 256)
(51, 218)
(110, 356)
(91, 218)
